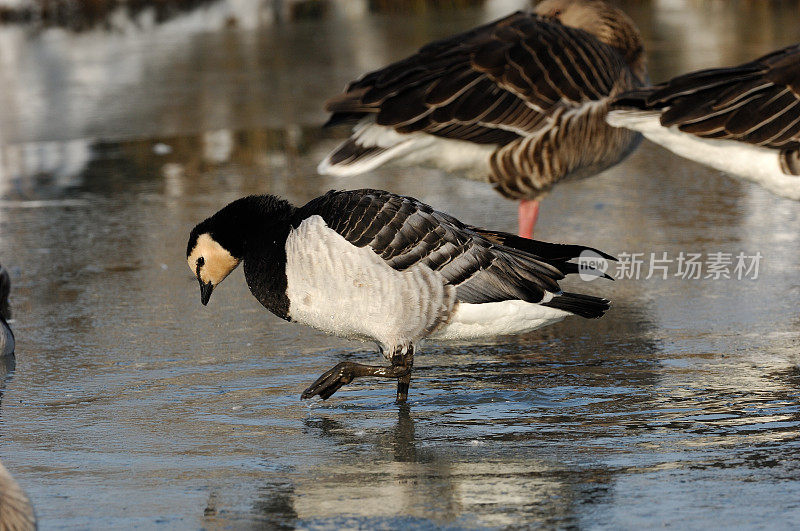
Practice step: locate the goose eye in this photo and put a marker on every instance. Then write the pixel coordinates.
(201, 261)
(557, 13)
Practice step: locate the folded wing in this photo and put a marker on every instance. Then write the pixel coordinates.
(405, 232)
(490, 85)
(757, 103)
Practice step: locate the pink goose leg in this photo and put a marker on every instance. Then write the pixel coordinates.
(528, 212)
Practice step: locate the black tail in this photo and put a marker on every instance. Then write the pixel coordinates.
(584, 305)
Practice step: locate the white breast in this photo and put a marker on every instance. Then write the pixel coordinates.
(471, 321)
(747, 161)
(351, 292)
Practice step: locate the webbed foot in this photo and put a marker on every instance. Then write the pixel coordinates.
(343, 373)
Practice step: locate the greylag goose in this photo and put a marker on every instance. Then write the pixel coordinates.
(6, 335)
(16, 512)
(371, 265)
(520, 102)
(743, 120)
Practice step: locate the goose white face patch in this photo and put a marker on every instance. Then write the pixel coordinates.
(210, 260)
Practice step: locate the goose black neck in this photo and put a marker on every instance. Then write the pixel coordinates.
(5, 290)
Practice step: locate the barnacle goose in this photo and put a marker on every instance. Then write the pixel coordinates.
(372, 265)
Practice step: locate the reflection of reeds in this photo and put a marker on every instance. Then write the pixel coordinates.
(87, 14)
(110, 167)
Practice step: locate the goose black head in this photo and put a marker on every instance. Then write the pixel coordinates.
(217, 245)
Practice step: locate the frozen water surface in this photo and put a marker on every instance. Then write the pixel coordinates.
(133, 405)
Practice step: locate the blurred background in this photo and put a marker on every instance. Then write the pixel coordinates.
(124, 123)
(169, 88)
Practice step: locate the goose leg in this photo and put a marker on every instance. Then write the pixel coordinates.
(528, 214)
(343, 373)
(405, 360)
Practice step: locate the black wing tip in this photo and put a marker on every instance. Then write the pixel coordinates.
(586, 306)
(603, 254)
(541, 249)
(570, 268)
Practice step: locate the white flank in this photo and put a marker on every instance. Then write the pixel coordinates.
(351, 292)
(471, 321)
(411, 149)
(452, 155)
(368, 133)
(746, 161)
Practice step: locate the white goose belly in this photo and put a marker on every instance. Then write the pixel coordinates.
(472, 321)
(749, 162)
(409, 149)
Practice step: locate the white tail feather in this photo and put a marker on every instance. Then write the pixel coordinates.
(634, 119)
(382, 144)
(364, 163)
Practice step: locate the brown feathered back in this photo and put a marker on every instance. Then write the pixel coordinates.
(533, 86)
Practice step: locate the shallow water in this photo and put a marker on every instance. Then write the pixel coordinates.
(133, 405)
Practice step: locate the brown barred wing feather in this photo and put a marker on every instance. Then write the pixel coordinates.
(512, 75)
(757, 103)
